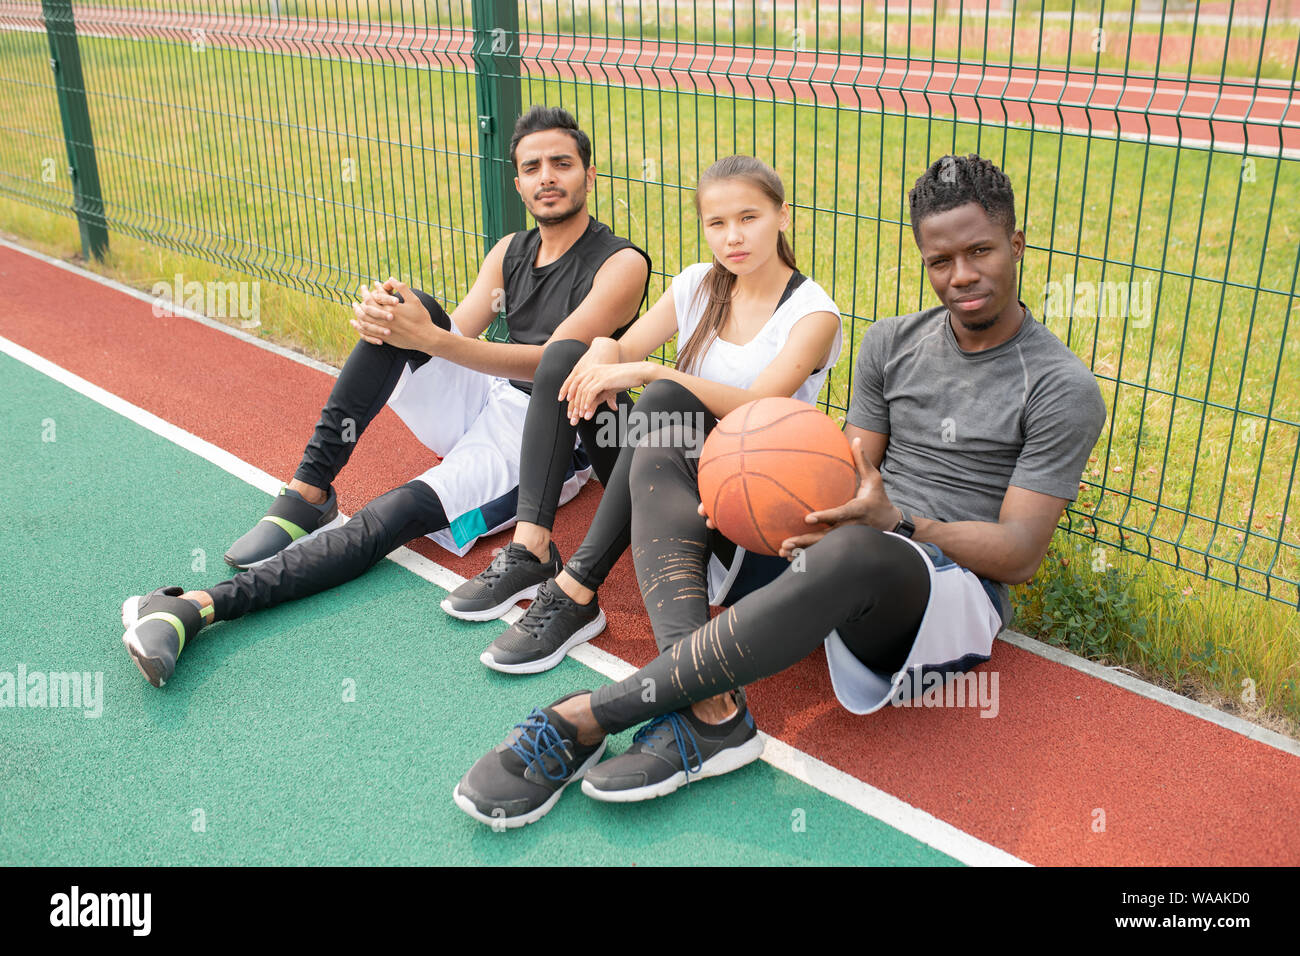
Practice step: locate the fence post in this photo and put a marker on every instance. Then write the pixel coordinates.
(65, 61)
(496, 65)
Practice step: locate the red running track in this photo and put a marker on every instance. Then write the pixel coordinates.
(1176, 790)
(1233, 114)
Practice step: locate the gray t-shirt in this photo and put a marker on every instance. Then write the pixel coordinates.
(963, 426)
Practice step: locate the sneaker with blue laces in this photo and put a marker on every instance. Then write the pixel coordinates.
(519, 780)
(667, 752)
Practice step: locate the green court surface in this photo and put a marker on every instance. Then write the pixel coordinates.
(252, 754)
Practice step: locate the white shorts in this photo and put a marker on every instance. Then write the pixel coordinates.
(956, 633)
(475, 423)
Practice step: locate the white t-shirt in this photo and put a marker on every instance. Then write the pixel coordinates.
(739, 365)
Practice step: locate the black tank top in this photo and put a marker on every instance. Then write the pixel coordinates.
(538, 299)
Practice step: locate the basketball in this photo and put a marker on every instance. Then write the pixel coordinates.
(767, 465)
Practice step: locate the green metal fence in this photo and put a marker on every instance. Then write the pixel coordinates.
(1153, 148)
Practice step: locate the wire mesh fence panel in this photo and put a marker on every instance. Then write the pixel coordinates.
(306, 146)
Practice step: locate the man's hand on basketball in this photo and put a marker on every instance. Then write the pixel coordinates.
(380, 318)
(708, 522)
(870, 506)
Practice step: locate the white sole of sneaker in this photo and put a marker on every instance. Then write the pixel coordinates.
(131, 610)
(502, 822)
(337, 522)
(492, 613)
(582, 636)
(130, 615)
(733, 758)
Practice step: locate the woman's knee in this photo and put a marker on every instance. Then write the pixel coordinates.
(662, 456)
(666, 395)
(669, 414)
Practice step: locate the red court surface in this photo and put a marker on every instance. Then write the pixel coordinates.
(1175, 789)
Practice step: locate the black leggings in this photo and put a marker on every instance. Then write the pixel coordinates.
(869, 586)
(547, 449)
(611, 529)
(548, 443)
(391, 520)
(363, 386)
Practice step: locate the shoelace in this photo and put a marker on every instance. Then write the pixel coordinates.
(540, 611)
(537, 730)
(500, 564)
(682, 735)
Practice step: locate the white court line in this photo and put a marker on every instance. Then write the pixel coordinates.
(916, 823)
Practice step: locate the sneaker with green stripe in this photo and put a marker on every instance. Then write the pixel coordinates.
(291, 520)
(158, 626)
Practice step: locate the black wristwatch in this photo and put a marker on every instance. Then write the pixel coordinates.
(904, 526)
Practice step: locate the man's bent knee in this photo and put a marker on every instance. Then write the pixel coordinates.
(414, 504)
(857, 551)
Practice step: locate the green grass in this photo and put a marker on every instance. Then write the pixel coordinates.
(1238, 652)
(315, 175)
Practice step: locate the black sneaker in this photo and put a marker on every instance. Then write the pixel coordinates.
(290, 520)
(669, 750)
(538, 641)
(514, 575)
(158, 626)
(519, 780)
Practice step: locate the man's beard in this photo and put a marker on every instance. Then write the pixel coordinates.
(978, 326)
(554, 219)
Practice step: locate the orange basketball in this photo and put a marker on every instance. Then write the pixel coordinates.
(767, 465)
